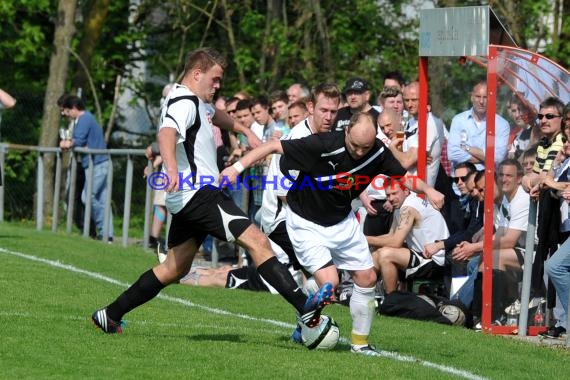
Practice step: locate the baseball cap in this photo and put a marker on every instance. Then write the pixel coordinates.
(355, 84)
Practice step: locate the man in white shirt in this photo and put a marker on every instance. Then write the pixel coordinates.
(416, 223)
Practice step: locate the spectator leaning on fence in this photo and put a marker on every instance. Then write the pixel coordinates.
(89, 134)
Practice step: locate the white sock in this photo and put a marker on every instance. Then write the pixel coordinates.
(362, 310)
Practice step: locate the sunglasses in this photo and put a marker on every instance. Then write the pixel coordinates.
(463, 178)
(231, 112)
(548, 116)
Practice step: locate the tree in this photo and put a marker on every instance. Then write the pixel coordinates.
(58, 68)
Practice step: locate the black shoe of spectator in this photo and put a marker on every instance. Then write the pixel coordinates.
(554, 333)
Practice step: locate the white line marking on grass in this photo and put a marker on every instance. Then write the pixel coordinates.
(99, 276)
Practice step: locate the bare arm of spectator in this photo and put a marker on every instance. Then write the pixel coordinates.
(396, 237)
(6, 99)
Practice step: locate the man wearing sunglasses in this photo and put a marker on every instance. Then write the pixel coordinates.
(550, 119)
(471, 222)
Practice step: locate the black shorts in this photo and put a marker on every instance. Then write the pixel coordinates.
(520, 255)
(420, 267)
(245, 278)
(209, 212)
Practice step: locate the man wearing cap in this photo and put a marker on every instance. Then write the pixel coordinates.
(357, 96)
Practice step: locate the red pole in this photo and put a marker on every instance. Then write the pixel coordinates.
(489, 190)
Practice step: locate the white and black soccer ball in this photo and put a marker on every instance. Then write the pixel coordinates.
(453, 313)
(324, 336)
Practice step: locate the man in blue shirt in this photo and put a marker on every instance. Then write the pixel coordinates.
(467, 135)
(88, 133)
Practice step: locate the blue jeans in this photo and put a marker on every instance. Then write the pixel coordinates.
(98, 196)
(558, 269)
(465, 293)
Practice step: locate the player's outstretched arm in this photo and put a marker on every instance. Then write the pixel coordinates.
(417, 185)
(231, 172)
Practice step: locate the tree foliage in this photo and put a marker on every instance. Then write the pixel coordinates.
(269, 44)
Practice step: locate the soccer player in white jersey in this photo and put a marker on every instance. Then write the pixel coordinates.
(323, 105)
(334, 168)
(196, 202)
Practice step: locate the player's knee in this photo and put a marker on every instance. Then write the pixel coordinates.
(257, 244)
(384, 256)
(365, 278)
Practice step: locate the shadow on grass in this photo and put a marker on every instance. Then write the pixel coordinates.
(11, 237)
(234, 338)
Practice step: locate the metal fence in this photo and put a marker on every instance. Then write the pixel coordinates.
(126, 188)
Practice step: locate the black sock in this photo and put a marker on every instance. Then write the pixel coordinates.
(152, 241)
(278, 276)
(146, 288)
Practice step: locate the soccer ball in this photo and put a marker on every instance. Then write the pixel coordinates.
(453, 313)
(325, 336)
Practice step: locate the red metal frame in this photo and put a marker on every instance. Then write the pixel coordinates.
(489, 189)
(490, 62)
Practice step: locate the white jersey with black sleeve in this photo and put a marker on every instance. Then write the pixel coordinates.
(195, 147)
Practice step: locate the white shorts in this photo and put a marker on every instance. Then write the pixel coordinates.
(316, 245)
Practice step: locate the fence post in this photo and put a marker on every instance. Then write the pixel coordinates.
(127, 208)
(88, 193)
(107, 219)
(527, 272)
(40, 193)
(56, 189)
(71, 195)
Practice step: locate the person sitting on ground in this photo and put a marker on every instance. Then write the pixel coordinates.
(416, 223)
(231, 277)
(508, 241)
(471, 222)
